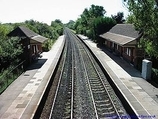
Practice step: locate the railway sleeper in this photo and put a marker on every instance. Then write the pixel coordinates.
(96, 84)
(102, 91)
(110, 115)
(101, 101)
(98, 89)
(106, 115)
(104, 109)
(67, 111)
(100, 96)
(94, 81)
(93, 77)
(67, 116)
(107, 105)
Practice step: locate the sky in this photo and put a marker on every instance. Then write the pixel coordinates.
(12, 11)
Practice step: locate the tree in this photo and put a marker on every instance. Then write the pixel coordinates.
(96, 11)
(103, 24)
(70, 24)
(58, 21)
(10, 48)
(144, 17)
(119, 18)
(85, 24)
(57, 25)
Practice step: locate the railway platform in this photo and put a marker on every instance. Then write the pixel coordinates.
(140, 94)
(22, 97)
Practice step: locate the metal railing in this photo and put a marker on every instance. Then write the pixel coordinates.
(9, 75)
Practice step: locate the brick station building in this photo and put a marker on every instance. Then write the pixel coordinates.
(31, 43)
(122, 40)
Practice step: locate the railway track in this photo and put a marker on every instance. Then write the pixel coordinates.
(63, 99)
(83, 90)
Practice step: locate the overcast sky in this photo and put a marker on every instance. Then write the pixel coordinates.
(45, 11)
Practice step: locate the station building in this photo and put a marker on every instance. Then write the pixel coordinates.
(122, 40)
(31, 43)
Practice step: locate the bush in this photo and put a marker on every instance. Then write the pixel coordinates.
(154, 75)
(47, 45)
(7, 76)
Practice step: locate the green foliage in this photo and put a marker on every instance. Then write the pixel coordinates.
(4, 30)
(118, 18)
(130, 19)
(9, 51)
(96, 11)
(51, 32)
(103, 24)
(8, 75)
(144, 15)
(9, 47)
(155, 75)
(48, 45)
(58, 27)
(70, 24)
(92, 22)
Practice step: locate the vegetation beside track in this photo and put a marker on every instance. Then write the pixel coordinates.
(11, 65)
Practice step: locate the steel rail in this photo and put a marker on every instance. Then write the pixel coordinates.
(70, 114)
(60, 77)
(72, 84)
(104, 86)
(118, 116)
(89, 87)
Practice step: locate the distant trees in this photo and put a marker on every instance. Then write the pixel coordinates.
(51, 32)
(144, 15)
(58, 26)
(92, 22)
(9, 48)
(70, 24)
(119, 18)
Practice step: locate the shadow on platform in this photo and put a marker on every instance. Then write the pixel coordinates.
(122, 63)
(37, 64)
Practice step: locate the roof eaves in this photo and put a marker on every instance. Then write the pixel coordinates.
(39, 38)
(120, 43)
(28, 33)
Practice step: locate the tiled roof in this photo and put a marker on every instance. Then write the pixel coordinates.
(23, 31)
(116, 38)
(125, 29)
(39, 38)
(121, 34)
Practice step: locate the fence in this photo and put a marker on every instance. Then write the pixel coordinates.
(10, 75)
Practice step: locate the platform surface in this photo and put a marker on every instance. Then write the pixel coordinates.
(22, 97)
(141, 95)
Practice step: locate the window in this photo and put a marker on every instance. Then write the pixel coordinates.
(34, 48)
(112, 45)
(105, 43)
(128, 51)
(117, 46)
